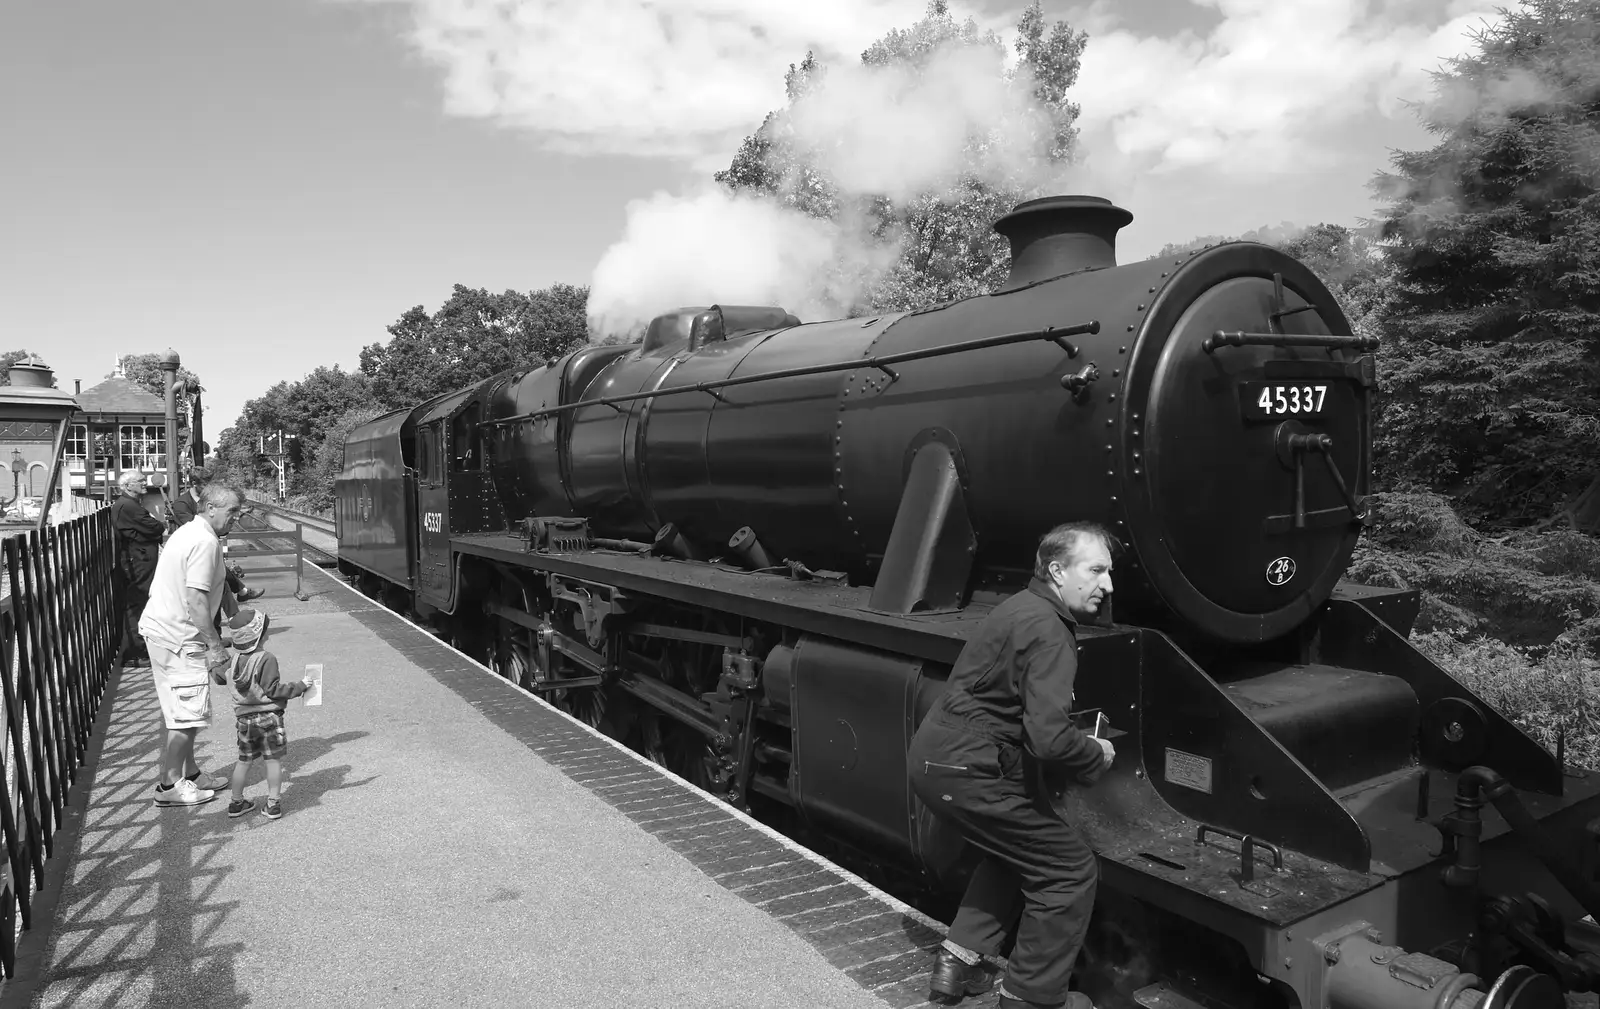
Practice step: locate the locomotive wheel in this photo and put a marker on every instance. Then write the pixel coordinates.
(513, 657)
(587, 704)
(677, 748)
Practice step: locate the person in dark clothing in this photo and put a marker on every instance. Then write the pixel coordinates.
(1008, 697)
(185, 508)
(139, 536)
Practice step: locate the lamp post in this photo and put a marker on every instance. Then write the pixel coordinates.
(169, 366)
(18, 464)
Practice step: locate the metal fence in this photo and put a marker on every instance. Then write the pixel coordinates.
(59, 631)
(296, 549)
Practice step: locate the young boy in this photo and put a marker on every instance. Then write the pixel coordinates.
(259, 698)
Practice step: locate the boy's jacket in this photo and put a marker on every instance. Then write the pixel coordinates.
(256, 687)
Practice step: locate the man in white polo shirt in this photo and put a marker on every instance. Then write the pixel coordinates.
(178, 625)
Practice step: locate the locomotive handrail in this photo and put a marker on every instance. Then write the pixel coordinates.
(880, 362)
(1224, 338)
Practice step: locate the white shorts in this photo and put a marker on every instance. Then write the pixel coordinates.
(183, 684)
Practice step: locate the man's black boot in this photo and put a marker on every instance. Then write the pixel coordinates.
(953, 980)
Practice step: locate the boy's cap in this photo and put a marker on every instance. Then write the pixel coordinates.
(247, 627)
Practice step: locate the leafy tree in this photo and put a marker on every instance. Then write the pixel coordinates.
(475, 334)
(235, 460)
(326, 459)
(10, 358)
(1275, 235)
(947, 246)
(144, 370)
(304, 411)
(1349, 261)
(1352, 265)
(1491, 371)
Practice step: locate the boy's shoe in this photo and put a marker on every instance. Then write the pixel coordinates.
(239, 807)
(246, 594)
(211, 782)
(184, 793)
(271, 809)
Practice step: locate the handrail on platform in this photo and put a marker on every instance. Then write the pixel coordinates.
(298, 552)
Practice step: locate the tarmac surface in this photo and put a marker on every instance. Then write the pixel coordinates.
(447, 840)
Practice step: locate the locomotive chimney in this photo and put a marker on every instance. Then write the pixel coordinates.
(1057, 235)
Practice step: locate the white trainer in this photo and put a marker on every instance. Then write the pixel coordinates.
(184, 793)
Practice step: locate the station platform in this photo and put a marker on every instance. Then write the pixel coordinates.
(448, 839)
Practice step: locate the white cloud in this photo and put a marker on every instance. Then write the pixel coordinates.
(684, 79)
(1282, 110)
(688, 79)
(1268, 88)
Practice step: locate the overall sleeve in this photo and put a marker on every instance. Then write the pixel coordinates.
(1049, 664)
(183, 511)
(136, 525)
(273, 687)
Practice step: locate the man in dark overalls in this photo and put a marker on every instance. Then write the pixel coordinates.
(139, 536)
(1009, 692)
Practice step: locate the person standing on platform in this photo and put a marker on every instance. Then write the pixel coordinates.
(184, 510)
(259, 701)
(179, 627)
(1009, 694)
(139, 536)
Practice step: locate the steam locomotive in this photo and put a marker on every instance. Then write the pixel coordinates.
(752, 548)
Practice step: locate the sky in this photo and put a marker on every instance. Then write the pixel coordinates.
(264, 187)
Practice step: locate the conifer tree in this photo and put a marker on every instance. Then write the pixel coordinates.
(1490, 369)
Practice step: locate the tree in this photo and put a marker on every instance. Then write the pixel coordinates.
(475, 334)
(144, 370)
(1352, 265)
(947, 247)
(326, 460)
(1490, 375)
(304, 411)
(1349, 261)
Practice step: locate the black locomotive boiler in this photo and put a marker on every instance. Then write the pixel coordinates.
(752, 548)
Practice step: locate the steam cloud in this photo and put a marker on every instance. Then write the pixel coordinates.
(874, 131)
(716, 248)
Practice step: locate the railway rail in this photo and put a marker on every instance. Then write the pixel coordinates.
(317, 522)
(256, 522)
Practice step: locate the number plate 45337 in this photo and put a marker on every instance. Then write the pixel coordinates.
(1275, 400)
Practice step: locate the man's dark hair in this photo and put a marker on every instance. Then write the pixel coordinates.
(1058, 545)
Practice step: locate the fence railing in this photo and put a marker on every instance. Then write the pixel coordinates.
(296, 549)
(59, 631)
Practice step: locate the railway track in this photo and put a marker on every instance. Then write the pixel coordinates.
(316, 522)
(322, 557)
